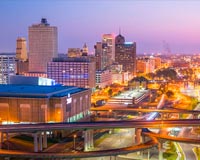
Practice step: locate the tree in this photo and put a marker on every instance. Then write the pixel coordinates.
(167, 73)
(169, 93)
(110, 92)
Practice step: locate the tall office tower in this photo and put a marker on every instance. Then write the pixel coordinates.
(101, 56)
(76, 71)
(21, 51)
(109, 39)
(7, 66)
(98, 55)
(125, 54)
(42, 45)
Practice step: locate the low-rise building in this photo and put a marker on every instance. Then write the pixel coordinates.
(20, 79)
(103, 78)
(33, 103)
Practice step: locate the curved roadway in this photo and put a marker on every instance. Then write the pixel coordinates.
(126, 150)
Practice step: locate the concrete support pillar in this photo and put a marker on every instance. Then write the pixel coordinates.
(148, 154)
(35, 142)
(40, 142)
(179, 116)
(91, 139)
(141, 154)
(160, 151)
(134, 135)
(45, 140)
(138, 135)
(1, 139)
(86, 140)
(7, 136)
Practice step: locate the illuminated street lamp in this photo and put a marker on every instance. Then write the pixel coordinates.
(74, 141)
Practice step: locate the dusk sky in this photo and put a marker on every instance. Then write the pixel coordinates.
(147, 22)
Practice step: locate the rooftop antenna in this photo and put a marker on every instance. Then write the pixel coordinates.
(119, 31)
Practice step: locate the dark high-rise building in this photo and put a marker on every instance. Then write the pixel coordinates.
(125, 54)
(105, 52)
(101, 55)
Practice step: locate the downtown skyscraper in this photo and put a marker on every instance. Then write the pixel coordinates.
(125, 54)
(109, 40)
(43, 46)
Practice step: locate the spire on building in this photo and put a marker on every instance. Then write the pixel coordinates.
(119, 30)
(119, 39)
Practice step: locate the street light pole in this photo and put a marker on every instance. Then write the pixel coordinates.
(74, 141)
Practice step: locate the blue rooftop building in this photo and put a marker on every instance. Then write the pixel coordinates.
(34, 103)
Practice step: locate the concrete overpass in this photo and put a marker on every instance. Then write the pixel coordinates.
(165, 112)
(99, 125)
(111, 152)
(87, 126)
(173, 110)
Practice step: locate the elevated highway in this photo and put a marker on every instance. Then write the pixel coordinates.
(111, 152)
(99, 125)
(154, 142)
(176, 139)
(173, 110)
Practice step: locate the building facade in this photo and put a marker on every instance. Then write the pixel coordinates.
(125, 54)
(103, 78)
(109, 40)
(31, 103)
(85, 50)
(42, 45)
(21, 67)
(74, 52)
(78, 72)
(105, 52)
(7, 66)
(19, 79)
(21, 50)
(102, 59)
(146, 64)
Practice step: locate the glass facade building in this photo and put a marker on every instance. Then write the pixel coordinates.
(7, 66)
(78, 72)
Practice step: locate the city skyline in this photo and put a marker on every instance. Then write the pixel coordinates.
(151, 24)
